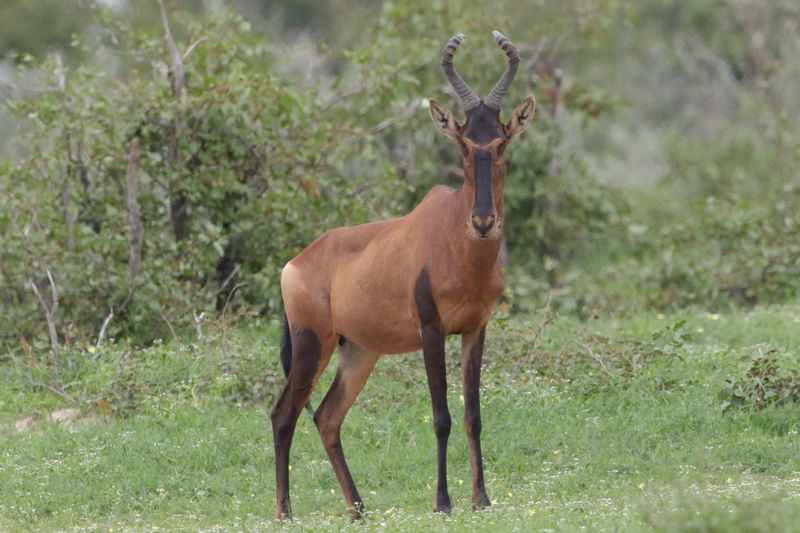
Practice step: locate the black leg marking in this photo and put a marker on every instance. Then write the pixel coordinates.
(306, 355)
(471, 358)
(433, 352)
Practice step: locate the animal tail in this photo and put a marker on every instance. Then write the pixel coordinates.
(286, 347)
(286, 353)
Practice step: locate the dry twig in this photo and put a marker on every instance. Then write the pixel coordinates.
(178, 72)
(50, 311)
(225, 284)
(169, 325)
(135, 227)
(223, 339)
(57, 391)
(529, 356)
(102, 335)
(597, 359)
(198, 326)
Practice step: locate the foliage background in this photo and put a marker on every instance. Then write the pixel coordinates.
(652, 247)
(661, 170)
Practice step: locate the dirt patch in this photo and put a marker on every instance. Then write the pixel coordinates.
(69, 417)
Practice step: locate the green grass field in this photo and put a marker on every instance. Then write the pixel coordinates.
(612, 424)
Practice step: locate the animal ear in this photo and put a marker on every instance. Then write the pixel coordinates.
(444, 120)
(520, 118)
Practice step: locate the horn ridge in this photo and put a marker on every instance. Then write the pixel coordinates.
(495, 99)
(469, 98)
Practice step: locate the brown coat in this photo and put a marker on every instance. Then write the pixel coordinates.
(366, 291)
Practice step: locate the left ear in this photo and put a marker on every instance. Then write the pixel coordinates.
(520, 118)
(444, 120)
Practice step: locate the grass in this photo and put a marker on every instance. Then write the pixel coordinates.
(613, 424)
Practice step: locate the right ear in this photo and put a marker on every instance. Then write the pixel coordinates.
(444, 120)
(520, 118)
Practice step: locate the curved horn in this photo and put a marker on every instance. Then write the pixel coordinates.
(495, 98)
(468, 97)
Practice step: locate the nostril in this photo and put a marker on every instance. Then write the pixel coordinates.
(483, 221)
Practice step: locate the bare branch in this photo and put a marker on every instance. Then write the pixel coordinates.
(343, 95)
(233, 291)
(49, 311)
(453, 172)
(135, 226)
(599, 360)
(61, 74)
(198, 326)
(192, 47)
(225, 284)
(409, 110)
(223, 343)
(178, 73)
(179, 203)
(53, 293)
(60, 393)
(541, 46)
(524, 362)
(136, 237)
(102, 335)
(38, 383)
(169, 325)
(551, 247)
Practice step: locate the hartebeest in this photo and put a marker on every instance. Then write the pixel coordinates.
(399, 285)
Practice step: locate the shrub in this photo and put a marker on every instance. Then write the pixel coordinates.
(764, 383)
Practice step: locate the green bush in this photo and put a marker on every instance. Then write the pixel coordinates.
(719, 230)
(764, 383)
(237, 366)
(233, 176)
(243, 167)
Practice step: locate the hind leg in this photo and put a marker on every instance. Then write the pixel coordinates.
(355, 366)
(471, 357)
(310, 356)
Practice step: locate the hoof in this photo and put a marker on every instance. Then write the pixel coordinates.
(441, 502)
(480, 501)
(358, 513)
(283, 511)
(443, 507)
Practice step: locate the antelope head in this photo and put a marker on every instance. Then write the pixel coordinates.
(483, 139)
